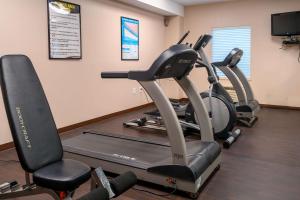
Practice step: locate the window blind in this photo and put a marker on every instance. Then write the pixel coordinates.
(225, 39)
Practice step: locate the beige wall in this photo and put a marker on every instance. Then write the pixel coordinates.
(173, 33)
(274, 72)
(74, 88)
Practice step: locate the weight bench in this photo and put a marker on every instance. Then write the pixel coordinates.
(37, 142)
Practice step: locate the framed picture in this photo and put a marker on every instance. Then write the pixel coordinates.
(129, 39)
(64, 30)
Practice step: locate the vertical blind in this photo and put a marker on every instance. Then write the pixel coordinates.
(225, 39)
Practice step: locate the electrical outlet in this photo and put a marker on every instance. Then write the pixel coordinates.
(141, 89)
(134, 90)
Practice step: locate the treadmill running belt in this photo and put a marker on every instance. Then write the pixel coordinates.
(130, 152)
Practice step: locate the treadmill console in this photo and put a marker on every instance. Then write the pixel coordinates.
(233, 58)
(175, 62)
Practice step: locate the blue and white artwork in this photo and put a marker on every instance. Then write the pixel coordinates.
(130, 38)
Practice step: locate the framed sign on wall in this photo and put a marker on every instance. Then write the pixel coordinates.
(129, 39)
(64, 30)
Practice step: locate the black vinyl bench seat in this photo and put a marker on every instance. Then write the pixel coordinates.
(36, 138)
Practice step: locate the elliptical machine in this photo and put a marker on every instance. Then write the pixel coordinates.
(221, 111)
(218, 102)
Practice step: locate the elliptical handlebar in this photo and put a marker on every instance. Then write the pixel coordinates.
(183, 37)
(203, 60)
(202, 42)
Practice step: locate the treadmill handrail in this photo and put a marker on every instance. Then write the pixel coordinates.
(201, 112)
(174, 130)
(236, 84)
(115, 74)
(218, 64)
(245, 83)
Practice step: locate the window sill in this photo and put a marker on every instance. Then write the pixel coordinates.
(226, 79)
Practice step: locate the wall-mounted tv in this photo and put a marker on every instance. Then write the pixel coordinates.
(286, 24)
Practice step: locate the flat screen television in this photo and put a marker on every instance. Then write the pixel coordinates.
(286, 24)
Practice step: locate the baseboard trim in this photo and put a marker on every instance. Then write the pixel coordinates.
(10, 145)
(183, 100)
(99, 119)
(279, 107)
(6, 146)
(262, 105)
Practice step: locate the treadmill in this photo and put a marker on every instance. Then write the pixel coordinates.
(247, 106)
(180, 165)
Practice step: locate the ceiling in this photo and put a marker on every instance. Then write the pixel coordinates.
(167, 7)
(196, 2)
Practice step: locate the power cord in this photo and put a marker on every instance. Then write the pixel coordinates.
(156, 194)
(285, 47)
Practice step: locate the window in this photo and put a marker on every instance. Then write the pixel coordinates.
(225, 39)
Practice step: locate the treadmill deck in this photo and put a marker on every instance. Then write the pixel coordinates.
(132, 152)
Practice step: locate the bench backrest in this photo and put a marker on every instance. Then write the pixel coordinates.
(31, 122)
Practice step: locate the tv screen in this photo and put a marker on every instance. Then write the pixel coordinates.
(286, 24)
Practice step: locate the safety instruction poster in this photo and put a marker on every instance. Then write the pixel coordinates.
(129, 39)
(64, 30)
